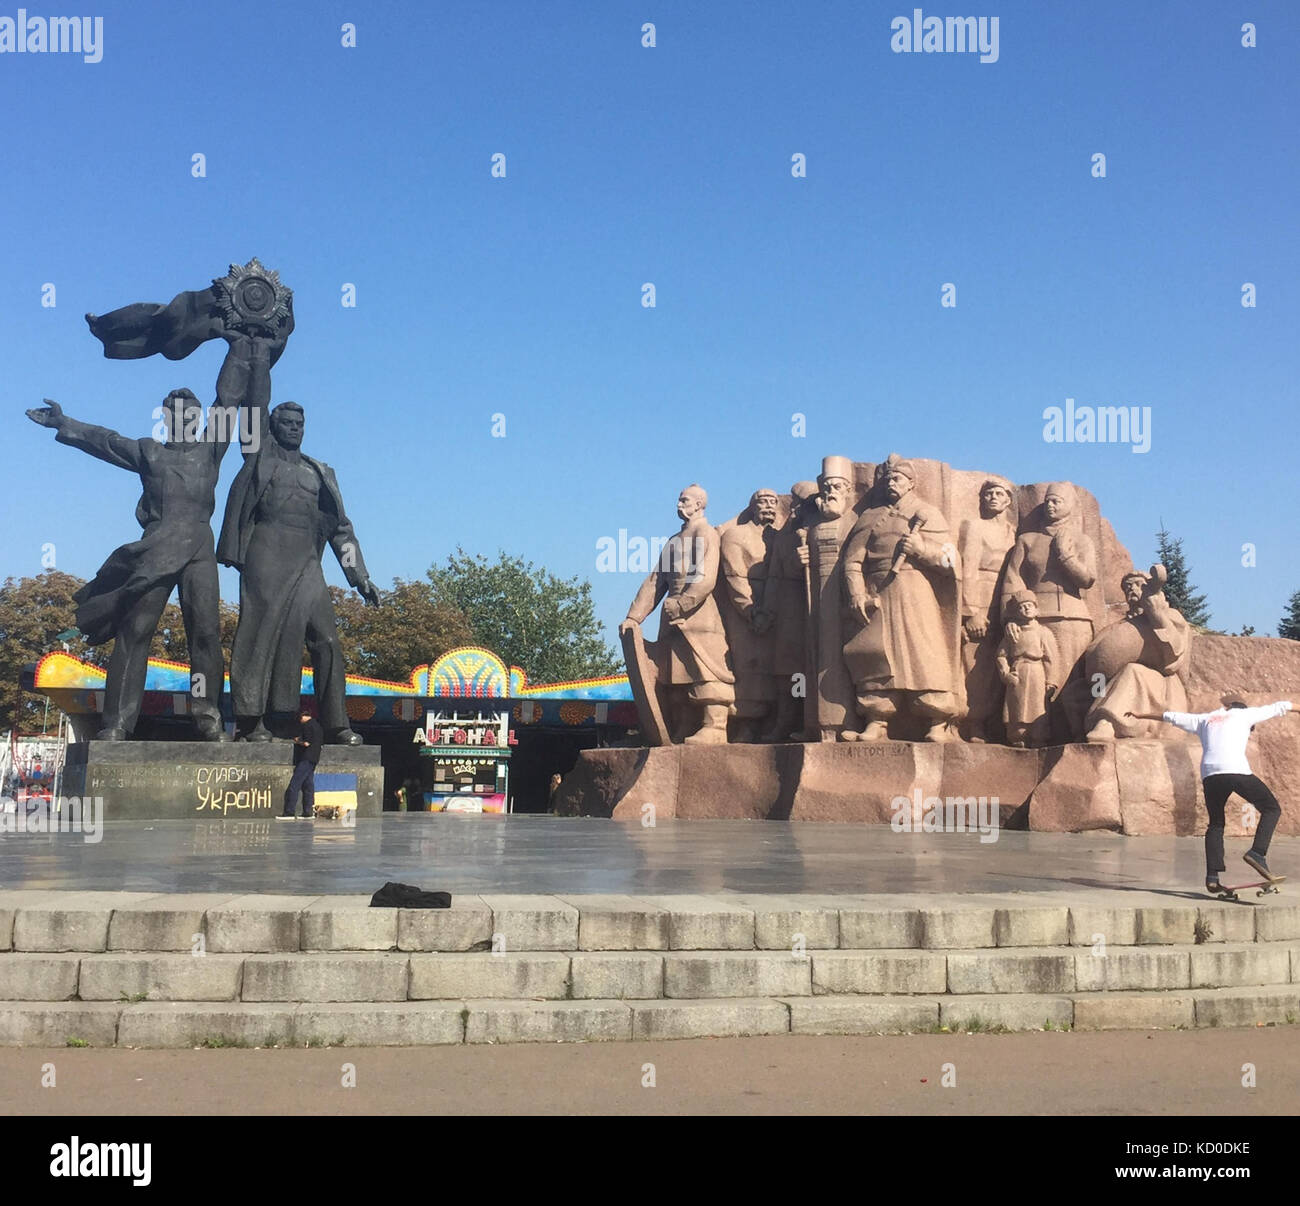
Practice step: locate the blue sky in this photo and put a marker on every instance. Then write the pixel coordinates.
(522, 296)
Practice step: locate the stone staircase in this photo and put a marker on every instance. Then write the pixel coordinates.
(174, 970)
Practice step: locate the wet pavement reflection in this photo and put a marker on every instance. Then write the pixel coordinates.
(556, 855)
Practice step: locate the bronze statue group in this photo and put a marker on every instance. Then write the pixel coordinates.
(283, 508)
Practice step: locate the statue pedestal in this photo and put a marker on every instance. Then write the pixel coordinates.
(1131, 787)
(207, 780)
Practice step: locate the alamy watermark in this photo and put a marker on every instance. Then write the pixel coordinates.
(945, 35)
(1073, 424)
(624, 554)
(68, 814)
(952, 814)
(180, 420)
(53, 35)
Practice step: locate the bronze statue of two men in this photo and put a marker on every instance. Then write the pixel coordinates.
(282, 510)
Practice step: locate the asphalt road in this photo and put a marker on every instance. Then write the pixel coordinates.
(1127, 1073)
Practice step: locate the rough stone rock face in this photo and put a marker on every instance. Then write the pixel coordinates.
(1078, 790)
(1160, 787)
(1257, 670)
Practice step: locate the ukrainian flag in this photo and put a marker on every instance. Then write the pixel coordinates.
(337, 791)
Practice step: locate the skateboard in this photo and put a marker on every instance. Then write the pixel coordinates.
(1267, 887)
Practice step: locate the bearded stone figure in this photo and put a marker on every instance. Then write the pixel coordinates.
(1142, 661)
(900, 571)
(830, 701)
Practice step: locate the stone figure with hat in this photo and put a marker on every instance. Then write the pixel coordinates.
(901, 573)
(829, 703)
(1028, 663)
(690, 657)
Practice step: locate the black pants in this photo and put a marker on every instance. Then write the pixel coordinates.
(304, 780)
(1251, 789)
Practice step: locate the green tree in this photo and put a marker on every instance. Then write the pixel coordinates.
(527, 616)
(33, 614)
(170, 643)
(1290, 625)
(408, 628)
(1178, 590)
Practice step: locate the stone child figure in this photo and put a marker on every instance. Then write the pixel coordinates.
(125, 599)
(746, 616)
(983, 544)
(691, 651)
(900, 570)
(283, 508)
(1028, 663)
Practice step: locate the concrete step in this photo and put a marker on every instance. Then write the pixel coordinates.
(426, 1023)
(375, 976)
(91, 922)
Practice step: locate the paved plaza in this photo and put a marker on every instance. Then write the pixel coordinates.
(557, 855)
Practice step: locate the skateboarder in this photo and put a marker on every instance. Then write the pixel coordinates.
(1224, 770)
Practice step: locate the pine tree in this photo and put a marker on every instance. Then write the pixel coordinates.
(1290, 625)
(1178, 590)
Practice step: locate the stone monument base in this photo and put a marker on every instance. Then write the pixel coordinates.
(202, 780)
(1130, 787)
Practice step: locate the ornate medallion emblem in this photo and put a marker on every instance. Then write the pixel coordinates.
(253, 297)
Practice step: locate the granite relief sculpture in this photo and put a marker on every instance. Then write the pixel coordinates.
(878, 611)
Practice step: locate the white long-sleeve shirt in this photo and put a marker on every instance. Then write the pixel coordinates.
(1224, 733)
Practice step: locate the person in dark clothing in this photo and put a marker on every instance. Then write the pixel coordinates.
(305, 758)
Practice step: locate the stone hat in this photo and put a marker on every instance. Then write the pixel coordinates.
(803, 491)
(894, 463)
(1137, 575)
(1000, 483)
(836, 466)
